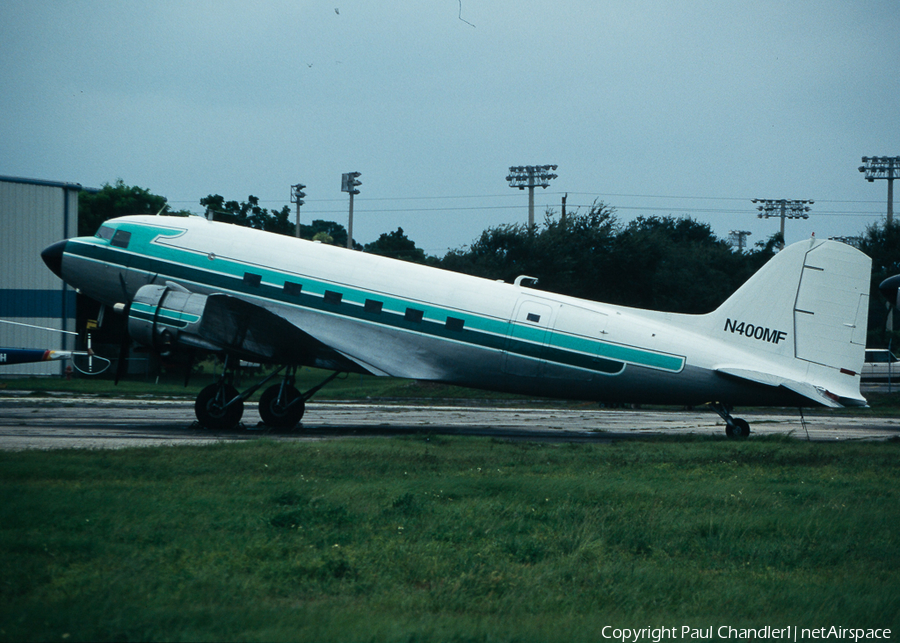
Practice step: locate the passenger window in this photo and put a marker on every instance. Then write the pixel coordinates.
(454, 323)
(252, 280)
(414, 315)
(534, 317)
(373, 306)
(292, 289)
(332, 297)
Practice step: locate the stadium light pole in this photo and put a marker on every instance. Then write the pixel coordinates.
(796, 209)
(883, 167)
(739, 235)
(349, 181)
(297, 195)
(850, 241)
(530, 176)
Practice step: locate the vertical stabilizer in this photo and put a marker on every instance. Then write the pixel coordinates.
(805, 313)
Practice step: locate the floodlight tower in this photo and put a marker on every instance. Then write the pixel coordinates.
(349, 181)
(297, 195)
(739, 236)
(883, 167)
(530, 176)
(796, 209)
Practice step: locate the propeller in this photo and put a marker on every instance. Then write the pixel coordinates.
(165, 349)
(124, 344)
(189, 366)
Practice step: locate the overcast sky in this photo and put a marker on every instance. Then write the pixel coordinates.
(681, 107)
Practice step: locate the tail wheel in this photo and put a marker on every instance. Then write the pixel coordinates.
(281, 407)
(213, 410)
(738, 429)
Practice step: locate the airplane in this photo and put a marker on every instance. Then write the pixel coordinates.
(27, 355)
(793, 335)
(85, 362)
(92, 364)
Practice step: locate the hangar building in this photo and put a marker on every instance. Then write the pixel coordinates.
(34, 214)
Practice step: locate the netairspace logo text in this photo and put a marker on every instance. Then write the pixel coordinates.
(790, 633)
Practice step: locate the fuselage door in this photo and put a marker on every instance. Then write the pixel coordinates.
(527, 338)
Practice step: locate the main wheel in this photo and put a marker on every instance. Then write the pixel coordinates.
(211, 409)
(281, 408)
(739, 430)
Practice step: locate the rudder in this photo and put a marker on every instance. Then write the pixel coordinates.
(809, 302)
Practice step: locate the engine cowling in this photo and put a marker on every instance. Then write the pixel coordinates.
(161, 316)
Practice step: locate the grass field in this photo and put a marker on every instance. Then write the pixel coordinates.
(347, 386)
(447, 539)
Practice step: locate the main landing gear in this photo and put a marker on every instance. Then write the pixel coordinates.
(220, 406)
(736, 428)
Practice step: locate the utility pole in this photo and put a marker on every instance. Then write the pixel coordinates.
(348, 184)
(297, 195)
(883, 167)
(784, 209)
(530, 176)
(739, 235)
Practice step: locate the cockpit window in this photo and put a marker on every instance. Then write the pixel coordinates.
(105, 232)
(121, 238)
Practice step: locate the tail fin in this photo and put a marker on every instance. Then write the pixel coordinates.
(805, 313)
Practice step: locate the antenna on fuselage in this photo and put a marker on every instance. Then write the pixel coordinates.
(162, 209)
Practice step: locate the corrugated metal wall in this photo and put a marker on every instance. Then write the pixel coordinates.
(34, 214)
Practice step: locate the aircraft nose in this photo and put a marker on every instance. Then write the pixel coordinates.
(53, 255)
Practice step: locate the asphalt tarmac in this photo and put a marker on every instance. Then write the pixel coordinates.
(64, 421)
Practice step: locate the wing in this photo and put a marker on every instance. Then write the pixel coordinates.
(162, 316)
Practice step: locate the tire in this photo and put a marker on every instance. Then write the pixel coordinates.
(739, 430)
(284, 413)
(212, 413)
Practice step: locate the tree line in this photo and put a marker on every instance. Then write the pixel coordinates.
(661, 263)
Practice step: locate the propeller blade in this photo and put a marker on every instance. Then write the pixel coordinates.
(122, 363)
(124, 345)
(188, 368)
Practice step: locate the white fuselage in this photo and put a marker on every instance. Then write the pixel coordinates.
(405, 320)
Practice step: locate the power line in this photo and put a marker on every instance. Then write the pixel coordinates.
(693, 198)
(361, 206)
(598, 195)
(846, 213)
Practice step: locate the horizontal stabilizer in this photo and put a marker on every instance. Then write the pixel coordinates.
(803, 389)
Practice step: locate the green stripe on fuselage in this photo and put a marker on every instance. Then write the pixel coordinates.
(487, 332)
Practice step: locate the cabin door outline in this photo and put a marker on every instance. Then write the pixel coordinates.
(526, 340)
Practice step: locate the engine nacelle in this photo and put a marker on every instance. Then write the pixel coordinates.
(161, 316)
